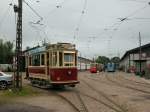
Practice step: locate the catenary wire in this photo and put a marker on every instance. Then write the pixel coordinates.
(41, 18)
(80, 19)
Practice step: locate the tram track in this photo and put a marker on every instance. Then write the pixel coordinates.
(81, 105)
(80, 108)
(83, 108)
(137, 83)
(144, 84)
(101, 102)
(108, 101)
(121, 84)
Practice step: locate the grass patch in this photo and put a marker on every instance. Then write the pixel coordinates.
(10, 95)
(25, 91)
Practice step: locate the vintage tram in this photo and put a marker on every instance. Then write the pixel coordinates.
(52, 64)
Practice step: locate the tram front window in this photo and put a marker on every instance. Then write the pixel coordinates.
(68, 59)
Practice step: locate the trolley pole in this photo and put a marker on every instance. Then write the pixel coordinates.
(18, 53)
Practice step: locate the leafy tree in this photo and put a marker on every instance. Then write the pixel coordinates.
(115, 59)
(6, 52)
(102, 59)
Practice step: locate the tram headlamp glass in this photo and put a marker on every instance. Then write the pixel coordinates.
(69, 72)
(58, 78)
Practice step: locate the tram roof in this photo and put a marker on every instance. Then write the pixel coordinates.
(58, 46)
(61, 46)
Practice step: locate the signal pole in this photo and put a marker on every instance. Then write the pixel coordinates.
(17, 75)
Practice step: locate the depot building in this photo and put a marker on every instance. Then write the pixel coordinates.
(133, 60)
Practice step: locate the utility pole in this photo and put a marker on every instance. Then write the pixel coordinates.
(140, 51)
(17, 75)
(80, 61)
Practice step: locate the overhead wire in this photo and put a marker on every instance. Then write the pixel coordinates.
(60, 5)
(32, 24)
(115, 26)
(57, 7)
(130, 15)
(80, 20)
(138, 10)
(39, 21)
(36, 26)
(33, 10)
(139, 19)
(36, 29)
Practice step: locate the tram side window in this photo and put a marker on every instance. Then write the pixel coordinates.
(42, 59)
(54, 58)
(36, 60)
(50, 58)
(60, 59)
(76, 59)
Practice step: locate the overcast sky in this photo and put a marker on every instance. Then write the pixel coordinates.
(97, 31)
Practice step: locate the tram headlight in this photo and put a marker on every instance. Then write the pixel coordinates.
(69, 72)
(58, 78)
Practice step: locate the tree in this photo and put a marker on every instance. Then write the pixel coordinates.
(115, 60)
(102, 59)
(6, 52)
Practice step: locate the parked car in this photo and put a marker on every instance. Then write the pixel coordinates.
(5, 80)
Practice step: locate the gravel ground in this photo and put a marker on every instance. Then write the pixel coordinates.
(98, 93)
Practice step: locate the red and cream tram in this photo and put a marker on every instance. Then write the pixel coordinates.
(53, 64)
